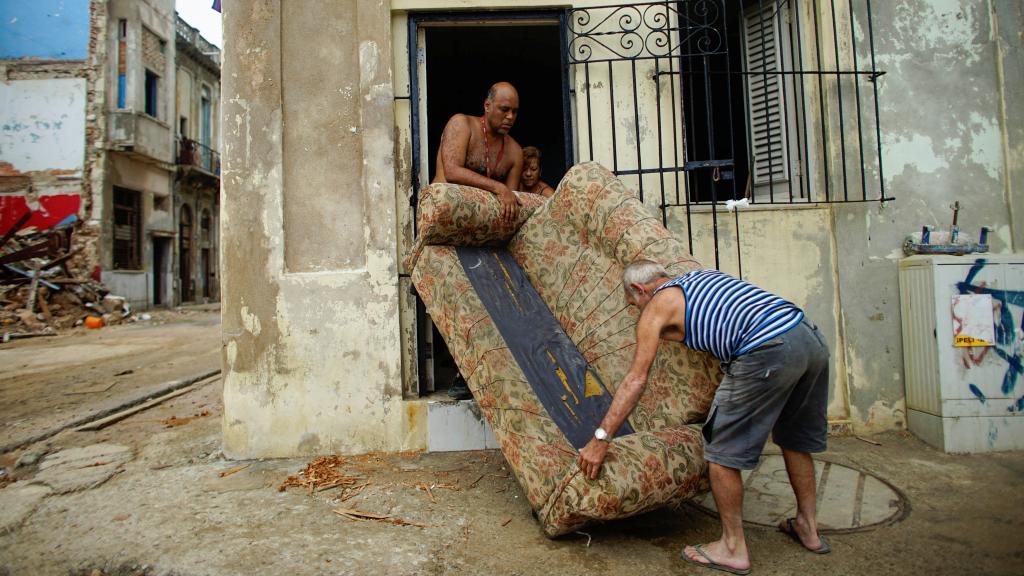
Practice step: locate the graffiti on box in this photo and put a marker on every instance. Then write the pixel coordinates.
(1008, 312)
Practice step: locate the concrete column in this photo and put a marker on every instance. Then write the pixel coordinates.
(312, 357)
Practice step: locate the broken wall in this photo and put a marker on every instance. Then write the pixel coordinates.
(42, 149)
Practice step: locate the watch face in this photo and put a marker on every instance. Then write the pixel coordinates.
(600, 434)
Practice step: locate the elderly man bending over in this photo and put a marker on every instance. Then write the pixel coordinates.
(776, 366)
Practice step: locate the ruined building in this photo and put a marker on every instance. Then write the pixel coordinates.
(110, 113)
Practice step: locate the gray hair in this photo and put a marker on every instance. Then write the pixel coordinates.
(642, 272)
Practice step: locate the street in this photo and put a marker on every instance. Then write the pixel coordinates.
(152, 493)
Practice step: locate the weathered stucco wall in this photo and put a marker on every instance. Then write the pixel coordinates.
(42, 124)
(42, 150)
(945, 126)
(310, 318)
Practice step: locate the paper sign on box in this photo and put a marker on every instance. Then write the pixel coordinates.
(972, 320)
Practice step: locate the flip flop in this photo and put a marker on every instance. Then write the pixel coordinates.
(711, 564)
(790, 531)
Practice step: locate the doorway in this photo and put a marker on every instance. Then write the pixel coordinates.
(526, 56)
(185, 254)
(456, 59)
(161, 269)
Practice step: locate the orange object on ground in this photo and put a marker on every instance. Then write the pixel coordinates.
(93, 322)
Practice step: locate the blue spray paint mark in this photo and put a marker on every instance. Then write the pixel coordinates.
(1015, 369)
(1006, 332)
(977, 393)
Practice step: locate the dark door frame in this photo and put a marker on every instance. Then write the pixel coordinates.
(416, 20)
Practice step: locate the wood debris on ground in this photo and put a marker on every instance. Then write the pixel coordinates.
(323, 473)
(360, 515)
(352, 492)
(175, 421)
(231, 471)
(429, 488)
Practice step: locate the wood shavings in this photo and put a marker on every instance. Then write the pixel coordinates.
(352, 492)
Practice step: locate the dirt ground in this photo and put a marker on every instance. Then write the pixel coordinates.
(47, 383)
(174, 505)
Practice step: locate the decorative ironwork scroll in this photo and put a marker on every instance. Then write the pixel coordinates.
(646, 30)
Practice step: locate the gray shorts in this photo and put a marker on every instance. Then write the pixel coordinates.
(779, 387)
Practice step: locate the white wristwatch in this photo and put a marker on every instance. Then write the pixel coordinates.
(600, 434)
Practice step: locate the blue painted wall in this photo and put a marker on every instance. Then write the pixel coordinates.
(48, 29)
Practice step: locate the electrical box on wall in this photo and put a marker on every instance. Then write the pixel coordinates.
(962, 350)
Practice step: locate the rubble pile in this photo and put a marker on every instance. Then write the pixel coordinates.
(40, 293)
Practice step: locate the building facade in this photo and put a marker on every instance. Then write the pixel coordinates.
(845, 127)
(197, 181)
(110, 154)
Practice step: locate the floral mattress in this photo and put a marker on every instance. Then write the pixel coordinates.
(570, 250)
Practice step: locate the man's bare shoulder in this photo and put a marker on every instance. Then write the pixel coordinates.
(460, 121)
(666, 304)
(514, 147)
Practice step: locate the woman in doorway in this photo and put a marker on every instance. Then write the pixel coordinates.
(531, 173)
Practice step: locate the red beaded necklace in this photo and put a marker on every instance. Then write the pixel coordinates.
(487, 149)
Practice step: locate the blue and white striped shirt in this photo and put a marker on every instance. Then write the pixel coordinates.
(729, 317)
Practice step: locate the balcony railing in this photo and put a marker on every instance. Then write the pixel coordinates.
(197, 154)
(192, 37)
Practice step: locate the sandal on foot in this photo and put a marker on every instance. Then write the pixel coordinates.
(711, 564)
(790, 531)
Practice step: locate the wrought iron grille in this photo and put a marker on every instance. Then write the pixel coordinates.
(698, 102)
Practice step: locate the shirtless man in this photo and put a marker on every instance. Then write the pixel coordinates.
(477, 150)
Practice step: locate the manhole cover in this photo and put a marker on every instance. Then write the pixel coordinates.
(848, 500)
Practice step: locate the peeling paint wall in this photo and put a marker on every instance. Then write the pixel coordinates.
(946, 128)
(42, 149)
(310, 317)
(42, 124)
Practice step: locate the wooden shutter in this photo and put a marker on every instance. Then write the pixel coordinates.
(765, 111)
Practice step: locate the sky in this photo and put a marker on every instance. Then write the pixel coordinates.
(201, 15)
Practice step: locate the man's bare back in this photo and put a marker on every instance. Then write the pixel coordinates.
(477, 150)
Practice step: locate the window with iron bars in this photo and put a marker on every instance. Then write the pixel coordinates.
(698, 102)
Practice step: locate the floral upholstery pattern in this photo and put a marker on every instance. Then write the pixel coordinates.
(456, 215)
(573, 248)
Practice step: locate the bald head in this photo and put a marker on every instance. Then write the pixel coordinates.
(501, 107)
(502, 88)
